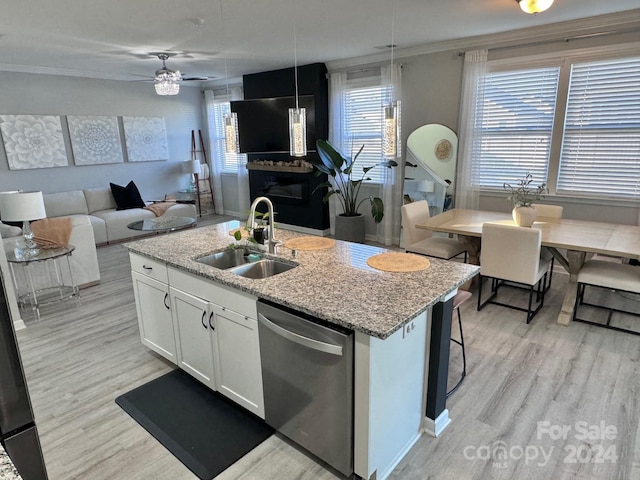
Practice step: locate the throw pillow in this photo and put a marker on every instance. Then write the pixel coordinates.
(126, 197)
(7, 231)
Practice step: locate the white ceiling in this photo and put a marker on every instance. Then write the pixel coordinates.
(114, 38)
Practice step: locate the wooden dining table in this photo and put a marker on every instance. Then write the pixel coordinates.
(579, 238)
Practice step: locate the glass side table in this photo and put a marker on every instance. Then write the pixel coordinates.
(39, 279)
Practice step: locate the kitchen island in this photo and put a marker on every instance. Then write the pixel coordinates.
(402, 325)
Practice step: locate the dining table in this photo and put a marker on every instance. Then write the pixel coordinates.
(570, 241)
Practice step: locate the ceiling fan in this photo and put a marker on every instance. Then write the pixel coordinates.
(167, 81)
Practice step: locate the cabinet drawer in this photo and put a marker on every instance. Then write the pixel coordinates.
(150, 268)
(231, 299)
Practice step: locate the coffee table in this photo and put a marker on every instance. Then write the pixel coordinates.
(162, 224)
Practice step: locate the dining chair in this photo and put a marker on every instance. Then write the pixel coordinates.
(549, 211)
(620, 277)
(512, 254)
(461, 297)
(417, 240)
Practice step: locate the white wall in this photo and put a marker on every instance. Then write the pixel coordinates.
(58, 95)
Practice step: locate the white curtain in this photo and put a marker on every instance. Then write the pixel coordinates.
(337, 86)
(243, 174)
(475, 68)
(389, 228)
(216, 163)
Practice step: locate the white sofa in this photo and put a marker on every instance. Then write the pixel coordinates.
(109, 225)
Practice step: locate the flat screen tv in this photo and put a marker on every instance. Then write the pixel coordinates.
(263, 124)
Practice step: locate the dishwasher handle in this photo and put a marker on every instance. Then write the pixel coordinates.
(324, 347)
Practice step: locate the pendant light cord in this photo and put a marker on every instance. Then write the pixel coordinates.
(295, 53)
(226, 73)
(391, 72)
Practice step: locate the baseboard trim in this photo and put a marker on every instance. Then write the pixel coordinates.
(437, 426)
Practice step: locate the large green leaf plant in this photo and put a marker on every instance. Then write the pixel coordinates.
(344, 186)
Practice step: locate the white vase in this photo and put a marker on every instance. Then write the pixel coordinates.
(524, 216)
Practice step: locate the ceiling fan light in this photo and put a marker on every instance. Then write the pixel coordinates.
(534, 6)
(166, 86)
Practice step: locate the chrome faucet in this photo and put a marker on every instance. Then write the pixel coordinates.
(271, 242)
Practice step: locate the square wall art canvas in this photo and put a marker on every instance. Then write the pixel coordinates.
(33, 141)
(146, 138)
(95, 140)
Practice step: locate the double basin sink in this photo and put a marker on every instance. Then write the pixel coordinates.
(245, 263)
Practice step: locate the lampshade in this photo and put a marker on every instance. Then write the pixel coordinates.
(191, 166)
(534, 6)
(426, 186)
(389, 131)
(297, 132)
(22, 206)
(167, 86)
(231, 132)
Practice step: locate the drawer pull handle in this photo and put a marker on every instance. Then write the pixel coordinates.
(166, 295)
(211, 318)
(204, 314)
(147, 268)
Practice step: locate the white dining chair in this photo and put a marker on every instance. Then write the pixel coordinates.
(620, 277)
(549, 211)
(511, 253)
(423, 242)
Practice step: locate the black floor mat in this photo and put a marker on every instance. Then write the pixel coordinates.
(204, 430)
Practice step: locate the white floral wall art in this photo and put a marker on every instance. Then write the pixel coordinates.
(33, 141)
(95, 140)
(146, 138)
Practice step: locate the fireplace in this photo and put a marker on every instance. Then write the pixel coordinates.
(292, 193)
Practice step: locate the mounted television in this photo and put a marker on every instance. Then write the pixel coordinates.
(263, 124)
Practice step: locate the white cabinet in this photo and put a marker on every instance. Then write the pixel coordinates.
(154, 315)
(192, 321)
(233, 337)
(237, 355)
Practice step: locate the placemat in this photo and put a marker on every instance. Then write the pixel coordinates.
(310, 243)
(243, 231)
(398, 262)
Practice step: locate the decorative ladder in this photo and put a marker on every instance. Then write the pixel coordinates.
(207, 177)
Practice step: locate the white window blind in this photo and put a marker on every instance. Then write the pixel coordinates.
(601, 142)
(229, 161)
(362, 125)
(516, 125)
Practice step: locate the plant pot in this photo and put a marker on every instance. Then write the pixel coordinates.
(524, 216)
(350, 229)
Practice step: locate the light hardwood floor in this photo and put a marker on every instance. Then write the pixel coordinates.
(79, 359)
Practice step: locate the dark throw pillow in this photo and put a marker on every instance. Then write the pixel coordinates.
(126, 197)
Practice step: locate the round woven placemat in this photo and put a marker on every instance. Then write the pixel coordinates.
(398, 262)
(243, 231)
(310, 243)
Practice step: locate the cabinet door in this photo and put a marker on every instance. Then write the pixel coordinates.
(191, 315)
(154, 315)
(237, 358)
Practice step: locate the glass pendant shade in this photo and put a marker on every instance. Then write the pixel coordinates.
(297, 132)
(534, 6)
(389, 131)
(231, 132)
(167, 86)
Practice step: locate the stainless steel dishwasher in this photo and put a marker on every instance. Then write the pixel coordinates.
(307, 373)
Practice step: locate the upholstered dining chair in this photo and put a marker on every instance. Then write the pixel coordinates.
(512, 254)
(549, 211)
(417, 240)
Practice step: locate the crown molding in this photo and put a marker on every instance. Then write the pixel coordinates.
(561, 32)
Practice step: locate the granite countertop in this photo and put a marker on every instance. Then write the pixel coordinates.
(333, 284)
(7, 469)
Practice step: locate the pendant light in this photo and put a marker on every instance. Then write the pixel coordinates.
(534, 6)
(389, 111)
(297, 116)
(230, 119)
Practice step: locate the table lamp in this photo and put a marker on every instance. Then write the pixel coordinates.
(23, 207)
(426, 186)
(192, 167)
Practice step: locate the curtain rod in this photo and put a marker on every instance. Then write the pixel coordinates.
(557, 40)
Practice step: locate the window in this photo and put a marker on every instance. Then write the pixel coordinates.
(229, 161)
(592, 141)
(362, 125)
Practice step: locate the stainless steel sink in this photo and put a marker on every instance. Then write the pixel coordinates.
(228, 258)
(262, 268)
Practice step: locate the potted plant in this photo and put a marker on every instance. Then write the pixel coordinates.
(346, 186)
(522, 197)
